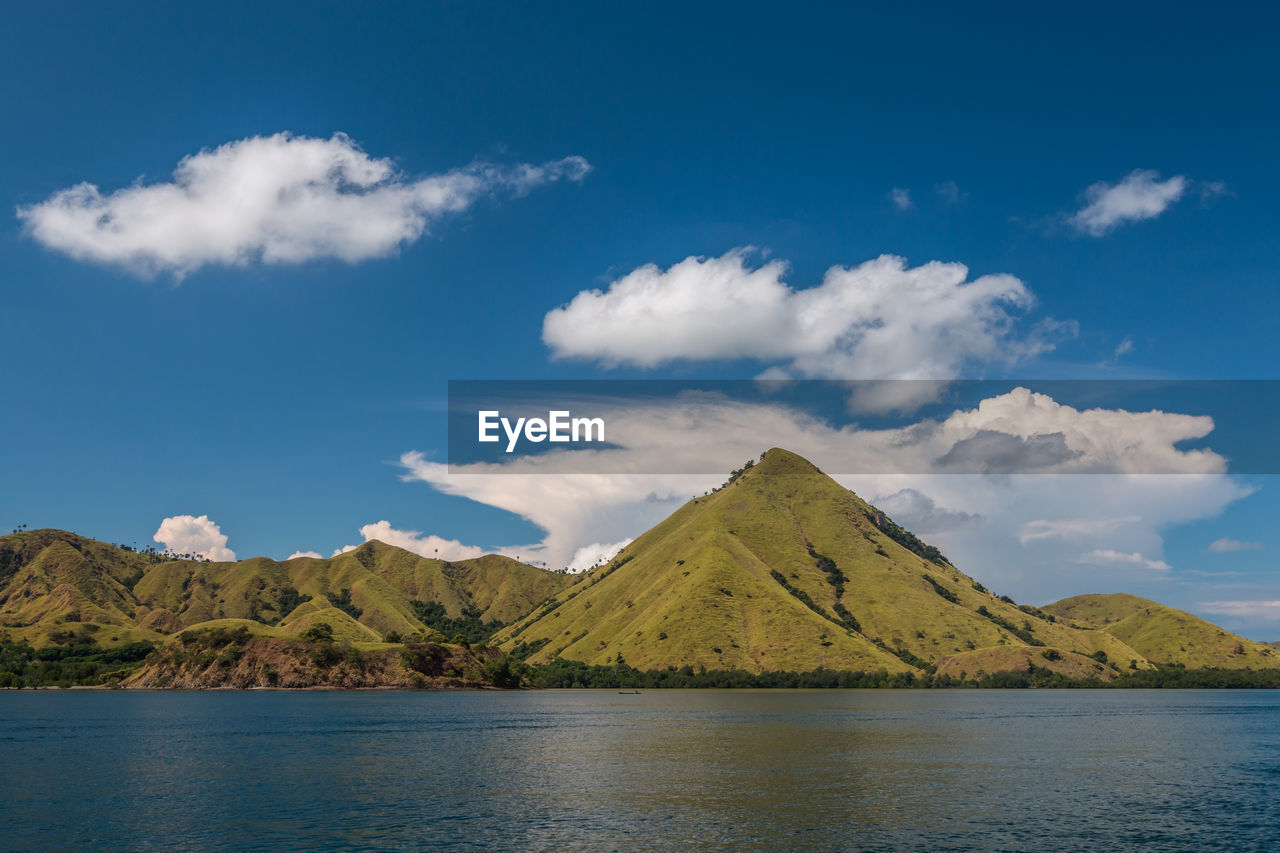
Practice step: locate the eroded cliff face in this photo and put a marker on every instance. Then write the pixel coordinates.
(263, 662)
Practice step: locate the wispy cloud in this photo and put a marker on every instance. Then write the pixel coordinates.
(1106, 556)
(278, 199)
(901, 198)
(1072, 528)
(949, 192)
(1222, 546)
(1256, 609)
(1139, 195)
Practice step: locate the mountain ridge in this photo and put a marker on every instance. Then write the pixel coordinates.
(54, 581)
(779, 570)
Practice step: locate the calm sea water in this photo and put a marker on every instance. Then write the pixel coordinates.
(598, 771)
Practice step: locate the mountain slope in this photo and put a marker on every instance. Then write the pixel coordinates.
(1163, 634)
(54, 583)
(783, 568)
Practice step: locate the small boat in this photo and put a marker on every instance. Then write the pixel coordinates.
(629, 692)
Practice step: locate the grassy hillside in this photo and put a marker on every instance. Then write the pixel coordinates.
(1165, 635)
(785, 569)
(57, 587)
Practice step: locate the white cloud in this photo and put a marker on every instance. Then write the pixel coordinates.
(615, 502)
(878, 320)
(435, 547)
(296, 554)
(1254, 609)
(901, 198)
(1026, 432)
(1140, 195)
(1220, 546)
(191, 534)
(1105, 556)
(594, 554)
(278, 199)
(1072, 528)
(1125, 347)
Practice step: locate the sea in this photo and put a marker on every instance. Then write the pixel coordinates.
(584, 770)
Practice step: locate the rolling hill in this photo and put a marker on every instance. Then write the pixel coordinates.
(55, 584)
(1162, 634)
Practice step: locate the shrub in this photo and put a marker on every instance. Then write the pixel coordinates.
(469, 625)
(906, 539)
(325, 654)
(343, 602)
(321, 632)
(503, 672)
(288, 600)
(946, 593)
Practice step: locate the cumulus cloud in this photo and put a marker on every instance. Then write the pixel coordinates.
(1140, 195)
(1106, 556)
(1054, 438)
(901, 198)
(279, 199)
(296, 554)
(980, 521)
(1221, 546)
(594, 554)
(435, 547)
(921, 514)
(194, 534)
(878, 320)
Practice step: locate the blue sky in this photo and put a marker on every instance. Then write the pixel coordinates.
(279, 398)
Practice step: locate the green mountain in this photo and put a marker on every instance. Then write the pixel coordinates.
(56, 585)
(784, 569)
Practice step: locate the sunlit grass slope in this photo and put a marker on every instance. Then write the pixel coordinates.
(1163, 634)
(54, 584)
(785, 569)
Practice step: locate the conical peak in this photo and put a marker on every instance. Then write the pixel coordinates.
(777, 460)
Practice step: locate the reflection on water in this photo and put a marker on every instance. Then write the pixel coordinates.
(587, 770)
